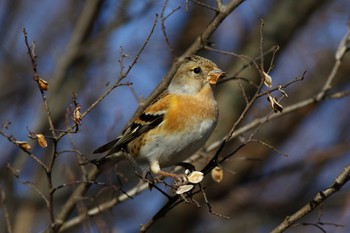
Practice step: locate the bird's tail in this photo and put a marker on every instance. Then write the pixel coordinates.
(114, 155)
(106, 147)
(109, 160)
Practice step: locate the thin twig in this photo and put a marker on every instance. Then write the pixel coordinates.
(279, 87)
(29, 184)
(246, 60)
(112, 186)
(207, 6)
(117, 84)
(269, 146)
(104, 206)
(32, 56)
(163, 18)
(121, 77)
(210, 209)
(43, 86)
(261, 45)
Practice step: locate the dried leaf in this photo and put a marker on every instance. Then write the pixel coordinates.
(43, 85)
(267, 79)
(41, 140)
(282, 91)
(195, 177)
(277, 107)
(217, 174)
(214, 76)
(24, 145)
(77, 115)
(184, 188)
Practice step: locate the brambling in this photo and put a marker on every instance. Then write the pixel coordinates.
(175, 125)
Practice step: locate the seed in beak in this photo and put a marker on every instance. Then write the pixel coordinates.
(214, 76)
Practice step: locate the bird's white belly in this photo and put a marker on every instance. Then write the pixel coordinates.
(172, 149)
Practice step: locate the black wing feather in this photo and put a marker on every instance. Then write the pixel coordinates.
(135, 130)
(106, 146)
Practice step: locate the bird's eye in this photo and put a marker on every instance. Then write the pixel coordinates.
(197, 70)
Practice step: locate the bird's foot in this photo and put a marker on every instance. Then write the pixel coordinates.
(180, 179)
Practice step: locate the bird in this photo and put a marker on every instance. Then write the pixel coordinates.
(174, 126)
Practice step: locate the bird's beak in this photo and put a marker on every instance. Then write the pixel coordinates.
(214, 76)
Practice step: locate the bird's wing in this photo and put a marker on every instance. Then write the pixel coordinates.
(149, 119)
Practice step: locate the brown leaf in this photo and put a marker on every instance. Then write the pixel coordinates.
(282, 91)
(267, 79)
(24, 145)
(77, 115)
(277, 107)
(217, 174)
(43, 85)
(41, 140)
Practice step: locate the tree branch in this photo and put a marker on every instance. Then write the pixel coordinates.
(320, 197)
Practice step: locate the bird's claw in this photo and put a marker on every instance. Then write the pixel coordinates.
(180, 179)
